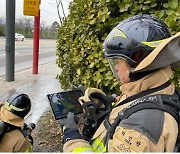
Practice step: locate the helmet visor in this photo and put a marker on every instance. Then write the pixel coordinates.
(120, 69)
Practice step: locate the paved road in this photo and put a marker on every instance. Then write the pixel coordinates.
(24, 54)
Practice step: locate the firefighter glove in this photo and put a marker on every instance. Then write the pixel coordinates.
(70, 128)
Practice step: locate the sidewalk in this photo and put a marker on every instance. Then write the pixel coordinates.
(36, 86)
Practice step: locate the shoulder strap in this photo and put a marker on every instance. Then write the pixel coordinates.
(136, 96)
(144, 93)
(8, 128)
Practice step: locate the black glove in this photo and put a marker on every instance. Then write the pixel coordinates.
(68, 122)
(70, 128)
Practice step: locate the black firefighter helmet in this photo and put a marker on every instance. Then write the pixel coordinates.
(19, 104)
(135, 38)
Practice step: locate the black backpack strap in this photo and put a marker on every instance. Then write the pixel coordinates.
(144, 93)
(8, 128)
(24, 133)
(141, 94)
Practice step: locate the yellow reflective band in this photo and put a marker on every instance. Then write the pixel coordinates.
(153, 44)
(83, 149)
(9, 106)
(29, 149)
(95, 147)
(112, 103)
(98, 146)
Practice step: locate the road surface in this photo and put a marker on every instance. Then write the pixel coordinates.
(24, 54)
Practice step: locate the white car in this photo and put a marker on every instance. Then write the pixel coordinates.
(19, 37)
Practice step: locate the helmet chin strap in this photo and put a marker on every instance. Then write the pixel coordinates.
(134, 76)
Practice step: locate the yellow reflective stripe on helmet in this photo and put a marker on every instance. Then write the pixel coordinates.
(83, 149)
(121, 33)
(153, 44)
(9, 106)
(98, 146)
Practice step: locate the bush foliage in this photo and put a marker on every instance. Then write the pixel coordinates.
(80, 37)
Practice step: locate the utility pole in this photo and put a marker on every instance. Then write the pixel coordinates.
(36, 42)
(10, 39)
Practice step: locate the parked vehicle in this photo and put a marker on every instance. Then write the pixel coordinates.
(19, 37)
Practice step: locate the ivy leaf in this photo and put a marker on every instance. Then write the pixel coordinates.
(105, 61)
(169, 12)
(166, 5)
(91, 16)
(174, 4)
(161, 13)
(92, 22)
(102, 69)
(96, 76)
(91, 65)
(105, 10)
(153, 4)
(145, 7)
(141, 1)
(78, 71)
(147, 1)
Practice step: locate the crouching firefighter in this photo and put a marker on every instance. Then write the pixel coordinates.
(12, 136)
(145, 118)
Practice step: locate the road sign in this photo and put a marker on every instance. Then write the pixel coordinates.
(31, 7)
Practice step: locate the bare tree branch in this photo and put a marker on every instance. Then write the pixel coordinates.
(57, 6)
(62, 8)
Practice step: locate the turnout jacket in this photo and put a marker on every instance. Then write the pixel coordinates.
(13, 141)
(148, 130)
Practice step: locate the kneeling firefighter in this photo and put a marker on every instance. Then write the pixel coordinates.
(145, 117)
(14, 136)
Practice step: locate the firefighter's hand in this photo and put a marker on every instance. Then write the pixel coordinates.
(70, 128)
(69, 122)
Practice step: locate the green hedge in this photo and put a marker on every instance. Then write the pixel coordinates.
(80, 37)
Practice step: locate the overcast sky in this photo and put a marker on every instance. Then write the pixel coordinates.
(48, 10)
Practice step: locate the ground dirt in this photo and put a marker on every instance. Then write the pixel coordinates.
(47, 135)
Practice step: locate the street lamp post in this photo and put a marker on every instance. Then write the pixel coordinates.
(10, 39)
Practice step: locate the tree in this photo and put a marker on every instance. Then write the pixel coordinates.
(54, 26)
(2, 26)
(24, 26)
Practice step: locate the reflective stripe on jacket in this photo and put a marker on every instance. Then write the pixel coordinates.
(96, 146)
